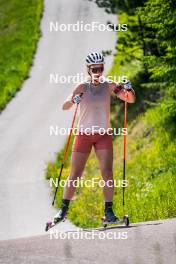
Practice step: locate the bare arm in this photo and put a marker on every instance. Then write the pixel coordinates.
(68, 102)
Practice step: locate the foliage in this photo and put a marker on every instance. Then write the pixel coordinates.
(19, 28)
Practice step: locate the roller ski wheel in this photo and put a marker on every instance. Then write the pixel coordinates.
(53, 223)
(49, 225)
(125, 221)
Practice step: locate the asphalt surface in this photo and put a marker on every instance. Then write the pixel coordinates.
(25, 140)
(142, 243)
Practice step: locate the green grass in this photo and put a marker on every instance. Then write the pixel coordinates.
(151, 159)
(19, 33)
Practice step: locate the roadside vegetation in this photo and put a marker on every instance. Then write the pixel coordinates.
(19, 33)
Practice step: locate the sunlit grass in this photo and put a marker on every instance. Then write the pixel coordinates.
(19, 32)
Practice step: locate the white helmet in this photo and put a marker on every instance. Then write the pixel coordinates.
(94, 58)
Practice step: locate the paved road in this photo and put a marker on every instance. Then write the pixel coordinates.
(145, 243)
(26, 145)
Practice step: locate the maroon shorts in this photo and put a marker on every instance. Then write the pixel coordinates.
(83, 143)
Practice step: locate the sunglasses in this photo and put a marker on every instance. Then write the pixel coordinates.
(97, 69)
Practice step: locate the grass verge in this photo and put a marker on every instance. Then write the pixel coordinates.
(19, 33)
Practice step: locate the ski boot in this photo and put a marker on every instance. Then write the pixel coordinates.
(61, 215)
(110, 217)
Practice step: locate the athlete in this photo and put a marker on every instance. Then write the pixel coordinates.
(93, 126)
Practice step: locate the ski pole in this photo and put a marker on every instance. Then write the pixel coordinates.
(66, 150)
(124, 145)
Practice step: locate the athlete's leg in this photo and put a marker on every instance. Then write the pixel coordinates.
(78, 162)
(80, 152)
(105, 158)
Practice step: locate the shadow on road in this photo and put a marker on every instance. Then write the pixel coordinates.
(120, 227)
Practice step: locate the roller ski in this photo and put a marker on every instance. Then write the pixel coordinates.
(59, 217)
(106, 222)
(110, 218)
